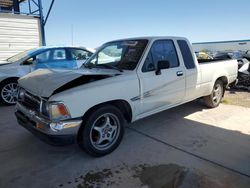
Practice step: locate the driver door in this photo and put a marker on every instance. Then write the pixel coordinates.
(166, 89)
(41, 60)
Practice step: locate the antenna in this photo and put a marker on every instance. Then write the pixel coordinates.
(72, 35)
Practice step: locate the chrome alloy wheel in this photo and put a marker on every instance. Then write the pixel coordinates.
(217, 93)
(9, 93)
(105, 131)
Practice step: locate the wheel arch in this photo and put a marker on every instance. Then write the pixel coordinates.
(5, 80)
(224, 80)
(122, 105)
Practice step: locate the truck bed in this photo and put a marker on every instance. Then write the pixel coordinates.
(215, 69)
(211, 60)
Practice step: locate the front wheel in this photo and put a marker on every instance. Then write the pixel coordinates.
(213, 100)
(102, 131)
(8, 92)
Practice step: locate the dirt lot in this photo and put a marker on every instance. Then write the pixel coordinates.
(237, 97)
(187, 146)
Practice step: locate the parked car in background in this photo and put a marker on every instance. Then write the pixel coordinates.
(221, 55)
(235, 55)
(203, 55)
(141, 77)
(243, 75)
(44, 57)
(247, 55)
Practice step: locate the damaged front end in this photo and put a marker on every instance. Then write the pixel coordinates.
(51, 121)
(47, 82)
(80, 81)
(58, 132)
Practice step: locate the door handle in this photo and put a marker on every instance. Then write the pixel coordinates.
(179, 73)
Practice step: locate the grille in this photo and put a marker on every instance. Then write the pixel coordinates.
(31, 102)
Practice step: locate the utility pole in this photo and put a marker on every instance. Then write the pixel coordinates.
(36, 8)
(16, 6)
(42, 22)
(72, 35)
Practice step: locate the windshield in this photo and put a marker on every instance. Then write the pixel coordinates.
(121, 55)
(18, 56)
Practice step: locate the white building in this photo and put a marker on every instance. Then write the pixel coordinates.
(18, 33)
(235, 45)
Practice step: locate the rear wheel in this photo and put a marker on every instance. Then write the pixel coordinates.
(213, 100)
(8, 92)
(102, 131)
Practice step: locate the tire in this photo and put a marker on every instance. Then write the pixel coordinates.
(213, 100)
(102, 131)
(8, 92)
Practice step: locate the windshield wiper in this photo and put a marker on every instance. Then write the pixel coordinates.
(88, 66)
(110, 67)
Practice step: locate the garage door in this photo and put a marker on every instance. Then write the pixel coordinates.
(18, 33)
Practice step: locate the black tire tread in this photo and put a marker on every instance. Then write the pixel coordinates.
(208, 100)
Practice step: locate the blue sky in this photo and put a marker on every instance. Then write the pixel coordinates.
(97, 21)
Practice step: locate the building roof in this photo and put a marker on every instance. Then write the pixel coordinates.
(230, 41)
(151, 38)
(8, 3)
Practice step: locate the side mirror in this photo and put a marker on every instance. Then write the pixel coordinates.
(29, 61)
(161, 65)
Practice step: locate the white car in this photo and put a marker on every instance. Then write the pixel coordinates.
(91, 105)
(44, 57)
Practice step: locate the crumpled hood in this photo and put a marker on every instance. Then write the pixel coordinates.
(44, 82)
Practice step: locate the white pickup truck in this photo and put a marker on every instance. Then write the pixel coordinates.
(125, 80)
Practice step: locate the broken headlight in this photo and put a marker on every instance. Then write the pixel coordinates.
(57, 111)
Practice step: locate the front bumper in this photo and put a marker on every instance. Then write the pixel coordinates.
(43, 128)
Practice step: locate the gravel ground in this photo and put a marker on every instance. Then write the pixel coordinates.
(237, 97)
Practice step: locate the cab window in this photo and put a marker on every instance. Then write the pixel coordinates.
(186, 54)
(161, 50)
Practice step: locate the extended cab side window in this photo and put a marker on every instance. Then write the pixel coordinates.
(186, 54)
(161, 50)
